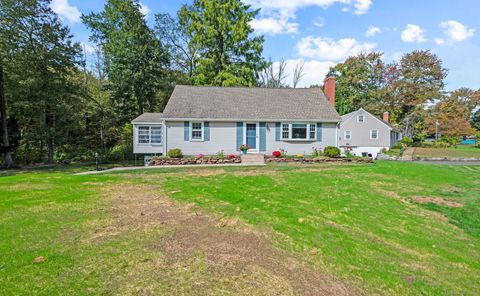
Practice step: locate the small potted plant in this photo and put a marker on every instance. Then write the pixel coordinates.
(244, 148)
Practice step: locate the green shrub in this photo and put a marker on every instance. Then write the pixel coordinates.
(175, 153)
(407, 141)
(331, 151)
(220, 154)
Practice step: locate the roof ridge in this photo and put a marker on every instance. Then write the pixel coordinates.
(249, 87)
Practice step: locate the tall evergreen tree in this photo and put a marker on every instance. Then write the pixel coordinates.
(134, 59)
(42, 56)
(221, 30)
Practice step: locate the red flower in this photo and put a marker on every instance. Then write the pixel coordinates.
(276, 153)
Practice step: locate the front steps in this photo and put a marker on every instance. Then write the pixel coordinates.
(253, 159)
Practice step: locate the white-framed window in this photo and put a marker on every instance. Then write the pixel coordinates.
(150, 134)
(348, 135)
(285, 131)
(313, 131)
(299, 131)
(361, 118)
(156, 134)
(196, 131)
(374, 134)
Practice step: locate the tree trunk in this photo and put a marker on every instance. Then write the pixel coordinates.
(8, 160)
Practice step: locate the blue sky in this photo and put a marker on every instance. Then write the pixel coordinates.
(324, 32)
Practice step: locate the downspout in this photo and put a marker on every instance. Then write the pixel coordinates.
(165, 137)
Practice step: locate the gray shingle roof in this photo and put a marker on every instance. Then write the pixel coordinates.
(348, 115)
(149, 117)
(248, 103)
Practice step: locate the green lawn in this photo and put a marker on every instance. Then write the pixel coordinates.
(359, 223)
(461, 151)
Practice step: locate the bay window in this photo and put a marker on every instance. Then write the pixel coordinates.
(299, 131)
(150, 134)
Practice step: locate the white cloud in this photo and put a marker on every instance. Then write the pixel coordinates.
(144, 9)
(439, 41)
(283, 12)
(314, 71)
(362, 6)
(372, 31)
(65, 10)
(413, 33)
(456, 31)
(274, 25)
(319, 22)
(331, 50)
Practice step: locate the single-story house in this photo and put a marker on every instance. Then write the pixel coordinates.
(364, 134)
(207, 120)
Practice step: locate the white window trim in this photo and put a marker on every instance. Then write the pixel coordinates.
(358, 118)
(191, 131)
(372, 138)
(308, 138)
(345, 135)
(150, 135)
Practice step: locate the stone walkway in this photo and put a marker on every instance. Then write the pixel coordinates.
(168, 167)
(408, 154)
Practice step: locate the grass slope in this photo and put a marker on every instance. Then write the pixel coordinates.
(358, 222)
(461, 151)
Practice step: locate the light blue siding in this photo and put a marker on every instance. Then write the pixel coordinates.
(263, 136)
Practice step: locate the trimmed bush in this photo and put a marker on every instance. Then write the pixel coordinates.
(331, 151)
(175, 153)
(407, 141)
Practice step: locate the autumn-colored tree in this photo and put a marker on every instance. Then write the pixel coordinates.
(453, 118)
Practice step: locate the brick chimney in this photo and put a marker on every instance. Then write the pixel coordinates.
(386, 116)
(329, 88)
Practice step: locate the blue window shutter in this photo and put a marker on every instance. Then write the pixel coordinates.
(263, 137)
(186, 131)
(206, 130)
(278, 129)
(319, 131)
(239, 135)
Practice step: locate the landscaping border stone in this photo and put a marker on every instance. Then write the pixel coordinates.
(237, 160)
(194, 160)
(317, 159)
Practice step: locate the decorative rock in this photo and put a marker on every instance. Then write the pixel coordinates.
(381, 156)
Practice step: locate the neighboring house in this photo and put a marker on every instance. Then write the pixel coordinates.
(365, 134)
(208, 120)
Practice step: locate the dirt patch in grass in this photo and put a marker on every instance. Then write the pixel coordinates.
(238, 258)
(255, 173)
(437, 200)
